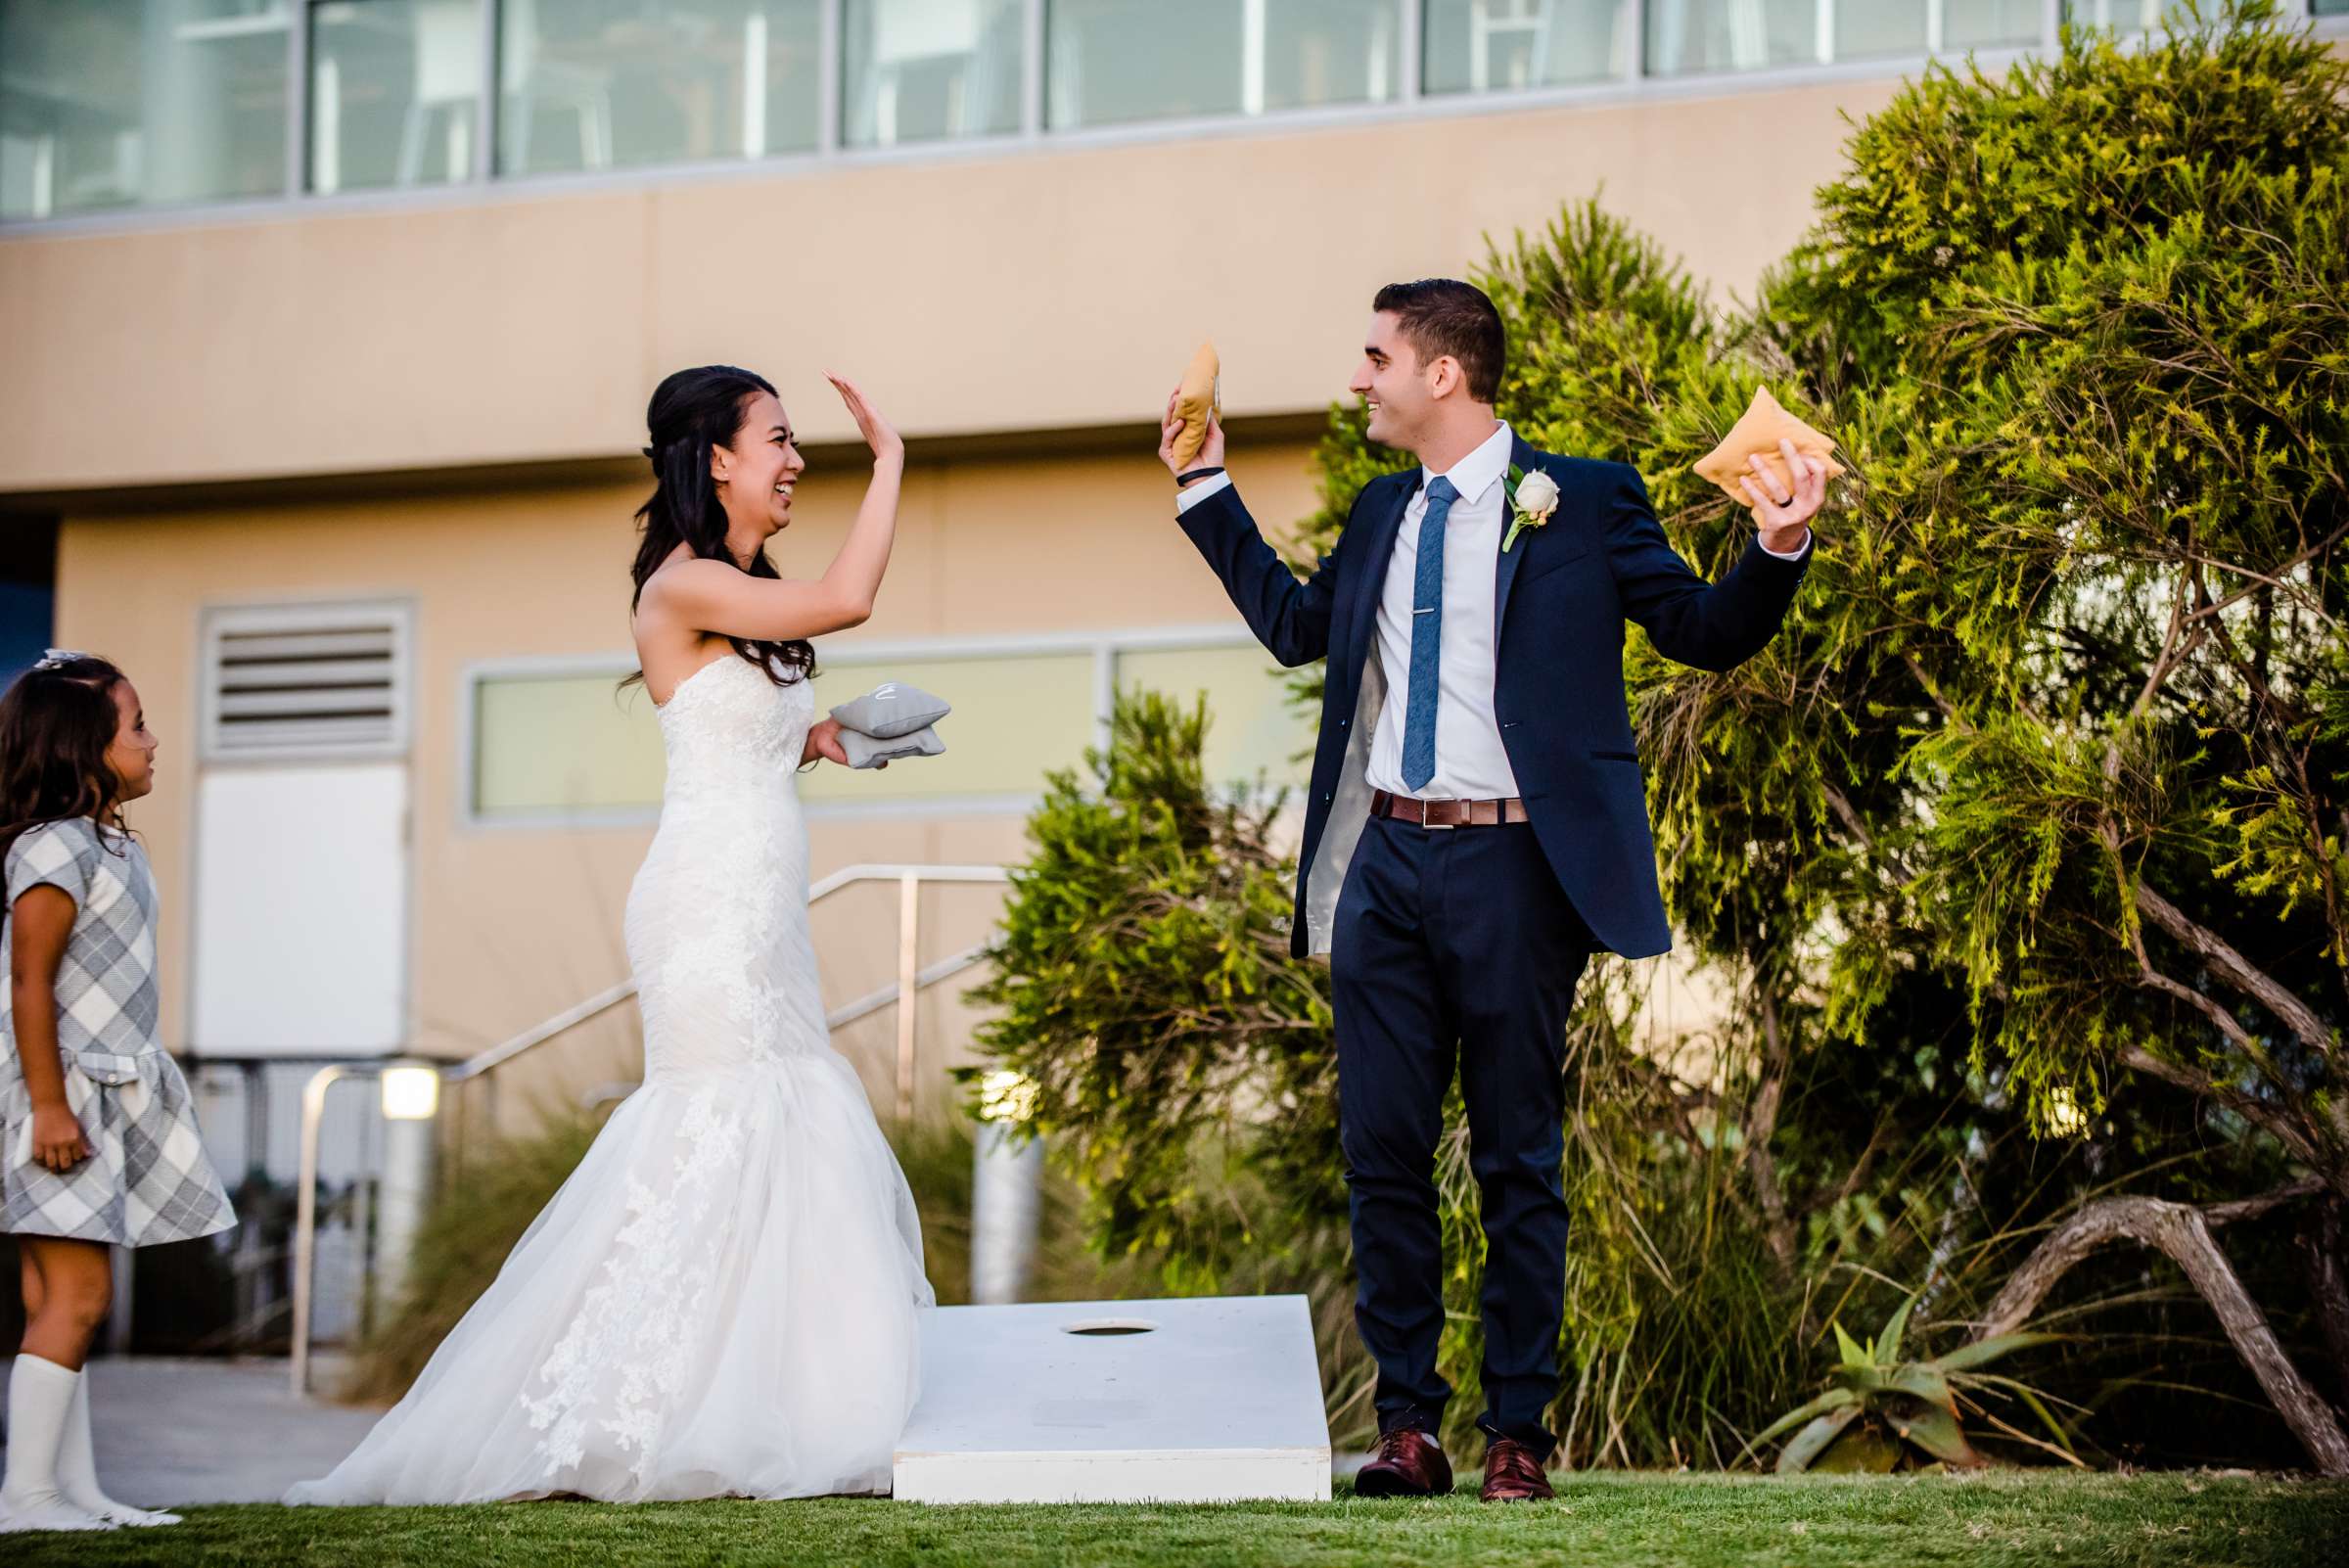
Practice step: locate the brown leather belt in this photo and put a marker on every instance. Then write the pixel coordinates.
(1447, 814)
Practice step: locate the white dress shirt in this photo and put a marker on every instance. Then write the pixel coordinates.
(1470, 761)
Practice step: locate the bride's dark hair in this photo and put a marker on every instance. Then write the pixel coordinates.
(691, 412)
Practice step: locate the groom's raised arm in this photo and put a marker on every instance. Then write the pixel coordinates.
(1291, 618)
(1712, 626)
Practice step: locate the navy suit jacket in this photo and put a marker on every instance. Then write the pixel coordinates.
(1563, 593)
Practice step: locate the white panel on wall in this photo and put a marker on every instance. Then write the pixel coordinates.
(301, 910)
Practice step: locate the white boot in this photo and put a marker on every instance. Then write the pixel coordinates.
(40, 1399)
(77, 1470)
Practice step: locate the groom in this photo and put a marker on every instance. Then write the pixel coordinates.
(1477, 825)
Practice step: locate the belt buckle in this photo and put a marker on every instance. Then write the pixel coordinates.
(1433, 827)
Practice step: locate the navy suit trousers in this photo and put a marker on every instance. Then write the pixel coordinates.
(1456, 945)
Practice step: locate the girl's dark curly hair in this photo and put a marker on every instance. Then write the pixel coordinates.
(57, 723)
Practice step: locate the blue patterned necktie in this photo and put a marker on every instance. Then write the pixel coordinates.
(1427, 637)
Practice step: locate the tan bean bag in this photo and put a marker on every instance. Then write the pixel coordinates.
(1760, 429)
(1197, 400)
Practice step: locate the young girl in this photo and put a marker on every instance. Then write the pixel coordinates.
(98, 1139)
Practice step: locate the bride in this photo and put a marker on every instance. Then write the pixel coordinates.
(723, 1298)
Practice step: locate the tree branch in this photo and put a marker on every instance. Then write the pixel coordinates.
(1761, 1122)
(2258, 581)
(2221, 1213)
(2182, 1234)
(2174, 649)
(1855, 825)
(2215, 951)
(2320, 1245)
(2285, 1131)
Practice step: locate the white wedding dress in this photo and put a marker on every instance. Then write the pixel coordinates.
(723, 1298)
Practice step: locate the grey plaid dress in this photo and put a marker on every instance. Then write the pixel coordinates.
(148, 1181)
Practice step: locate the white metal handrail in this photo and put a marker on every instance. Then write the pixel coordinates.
(306, 1211)
(912, 979)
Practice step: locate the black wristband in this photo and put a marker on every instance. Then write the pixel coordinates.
(1182, 479)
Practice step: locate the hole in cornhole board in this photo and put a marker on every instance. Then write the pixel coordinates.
(1107, 1326)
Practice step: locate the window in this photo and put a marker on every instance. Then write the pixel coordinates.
(2126, 15)
(1933, 26)
(1253, 730)
(395, 92)
(563, 745)
(597, 84)
(116, 102)
(1491, 45)
(1117, 60)
(1693, 35)
(918, 70)
(566, 745)
(559, 744)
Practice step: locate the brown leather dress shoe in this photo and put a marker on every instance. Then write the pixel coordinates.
(1408, 1465)
(1512, 1474)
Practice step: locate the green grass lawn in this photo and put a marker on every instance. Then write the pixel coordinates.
(1631, 1521)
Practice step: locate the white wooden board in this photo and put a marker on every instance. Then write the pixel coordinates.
(1216, 1399)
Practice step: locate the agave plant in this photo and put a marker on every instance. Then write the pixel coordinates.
(1881, 1413)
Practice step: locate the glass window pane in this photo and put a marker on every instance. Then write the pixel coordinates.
(1880, 28)
(1865, 28)
(1253, 729)
(1490, 45)
(2123, 15)
(1324, 52)
(1015, 717)
(116, 102)
(1990, 23)
(919, 70)
(1705, 35)
(593, 85)
(2332, 8)
(561, 744)
(396, 89)
(1115, 61)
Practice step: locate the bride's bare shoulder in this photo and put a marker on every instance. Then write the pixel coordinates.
(683, 579)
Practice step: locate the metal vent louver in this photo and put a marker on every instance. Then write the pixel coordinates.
(325, 680)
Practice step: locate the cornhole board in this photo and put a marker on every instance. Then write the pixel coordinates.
(1207, 1400)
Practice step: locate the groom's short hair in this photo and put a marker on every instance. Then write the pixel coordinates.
(1445, 316)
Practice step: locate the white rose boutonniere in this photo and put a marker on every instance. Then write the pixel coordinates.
(1533, 498)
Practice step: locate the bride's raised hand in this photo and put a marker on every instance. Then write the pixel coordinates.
(878, 433)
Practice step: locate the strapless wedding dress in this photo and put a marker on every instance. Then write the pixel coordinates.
(723, 1300)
